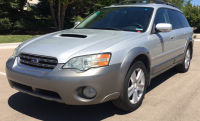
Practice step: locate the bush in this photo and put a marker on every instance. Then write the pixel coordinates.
(192, 13)
(12, 16)
(5, 24)
(76, 19)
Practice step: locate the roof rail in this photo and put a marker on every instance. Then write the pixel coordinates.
(156, 1)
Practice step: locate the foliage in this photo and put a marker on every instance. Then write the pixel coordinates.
(197, 30)
(192, 13)
(76, 19)
(14, 19)
(5, 24)
(15, 38)
(179, 3)
(59, 16)
(76, 11)
(12, 16)
(42, 9)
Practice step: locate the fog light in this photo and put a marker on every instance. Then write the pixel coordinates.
(89, 92)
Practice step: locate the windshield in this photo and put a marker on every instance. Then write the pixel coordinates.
(122, 19)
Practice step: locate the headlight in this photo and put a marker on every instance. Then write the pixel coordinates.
(15, 52)
(86, 62)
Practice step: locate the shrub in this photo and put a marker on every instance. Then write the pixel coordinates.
(5, 24)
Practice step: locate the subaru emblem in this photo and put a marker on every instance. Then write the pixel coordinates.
(35, 61)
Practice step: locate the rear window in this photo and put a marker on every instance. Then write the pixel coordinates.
(176, 24)
(183, 20)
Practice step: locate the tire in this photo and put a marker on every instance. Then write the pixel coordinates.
(128, 101)
(185, 65)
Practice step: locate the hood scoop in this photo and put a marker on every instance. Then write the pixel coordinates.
(73, 35)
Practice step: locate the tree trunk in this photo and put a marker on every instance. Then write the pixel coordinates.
(59, 22)
(53, 14)
(64, 7)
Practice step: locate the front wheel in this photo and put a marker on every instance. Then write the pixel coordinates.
(134, 88)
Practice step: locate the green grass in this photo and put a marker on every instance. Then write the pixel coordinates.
(15, 38)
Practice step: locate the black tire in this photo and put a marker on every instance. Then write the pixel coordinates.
(123, 101)
(182, 67)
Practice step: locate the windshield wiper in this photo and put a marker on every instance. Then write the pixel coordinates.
(107, 28)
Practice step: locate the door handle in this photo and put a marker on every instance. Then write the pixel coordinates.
(172, 38)
(185, 34)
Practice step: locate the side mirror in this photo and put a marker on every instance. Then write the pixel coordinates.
(164, 27)
(76, 23)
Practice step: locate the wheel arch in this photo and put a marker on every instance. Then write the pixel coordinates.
(191, 46)
(190, 43)
(140, 54)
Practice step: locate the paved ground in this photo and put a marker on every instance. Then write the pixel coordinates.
(9, 45)
(172, 96)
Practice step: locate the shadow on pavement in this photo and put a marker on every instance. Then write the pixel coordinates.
(48, 110)
(161, 78)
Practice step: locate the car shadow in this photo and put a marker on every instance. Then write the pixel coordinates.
(161, 78)
(49, 110)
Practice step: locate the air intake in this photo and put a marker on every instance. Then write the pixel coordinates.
(73, 35)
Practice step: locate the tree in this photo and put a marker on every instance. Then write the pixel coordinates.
(12, 15)
(62, 6)
(192, 13)
(179, 3)
(81, 8)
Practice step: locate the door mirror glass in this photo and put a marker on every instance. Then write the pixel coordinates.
(164, 27)
(77, 23)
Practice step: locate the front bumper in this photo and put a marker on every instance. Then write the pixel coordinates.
(107, 81)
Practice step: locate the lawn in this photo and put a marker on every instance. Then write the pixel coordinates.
(15, 38)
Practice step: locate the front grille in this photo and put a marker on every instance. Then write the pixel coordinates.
(38, 61)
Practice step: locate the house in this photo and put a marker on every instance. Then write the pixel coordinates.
(31, 3)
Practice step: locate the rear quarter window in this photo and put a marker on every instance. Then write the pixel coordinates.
(183, 20)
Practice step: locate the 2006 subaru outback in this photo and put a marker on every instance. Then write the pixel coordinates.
(112, 55)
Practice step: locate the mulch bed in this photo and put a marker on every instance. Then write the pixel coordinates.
(40, 31)
(33, 31)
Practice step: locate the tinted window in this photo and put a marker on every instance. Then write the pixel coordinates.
(127, 19)
(174, 19)
(162, 17)
(183, 20)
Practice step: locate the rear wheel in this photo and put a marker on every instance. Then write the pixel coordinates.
(185, 65)
(134, 88)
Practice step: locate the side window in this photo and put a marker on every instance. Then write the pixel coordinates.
(176, 24)
(162, 16)
(183, 20)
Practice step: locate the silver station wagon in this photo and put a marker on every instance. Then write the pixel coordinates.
(112, 55)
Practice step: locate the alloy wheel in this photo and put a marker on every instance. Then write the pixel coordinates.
(136, 86)
(187, 59)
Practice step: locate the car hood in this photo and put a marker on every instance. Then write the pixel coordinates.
(63, 48)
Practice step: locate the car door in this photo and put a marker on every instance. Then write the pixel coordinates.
(162, 43)
(186, 29)
(180, 34)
